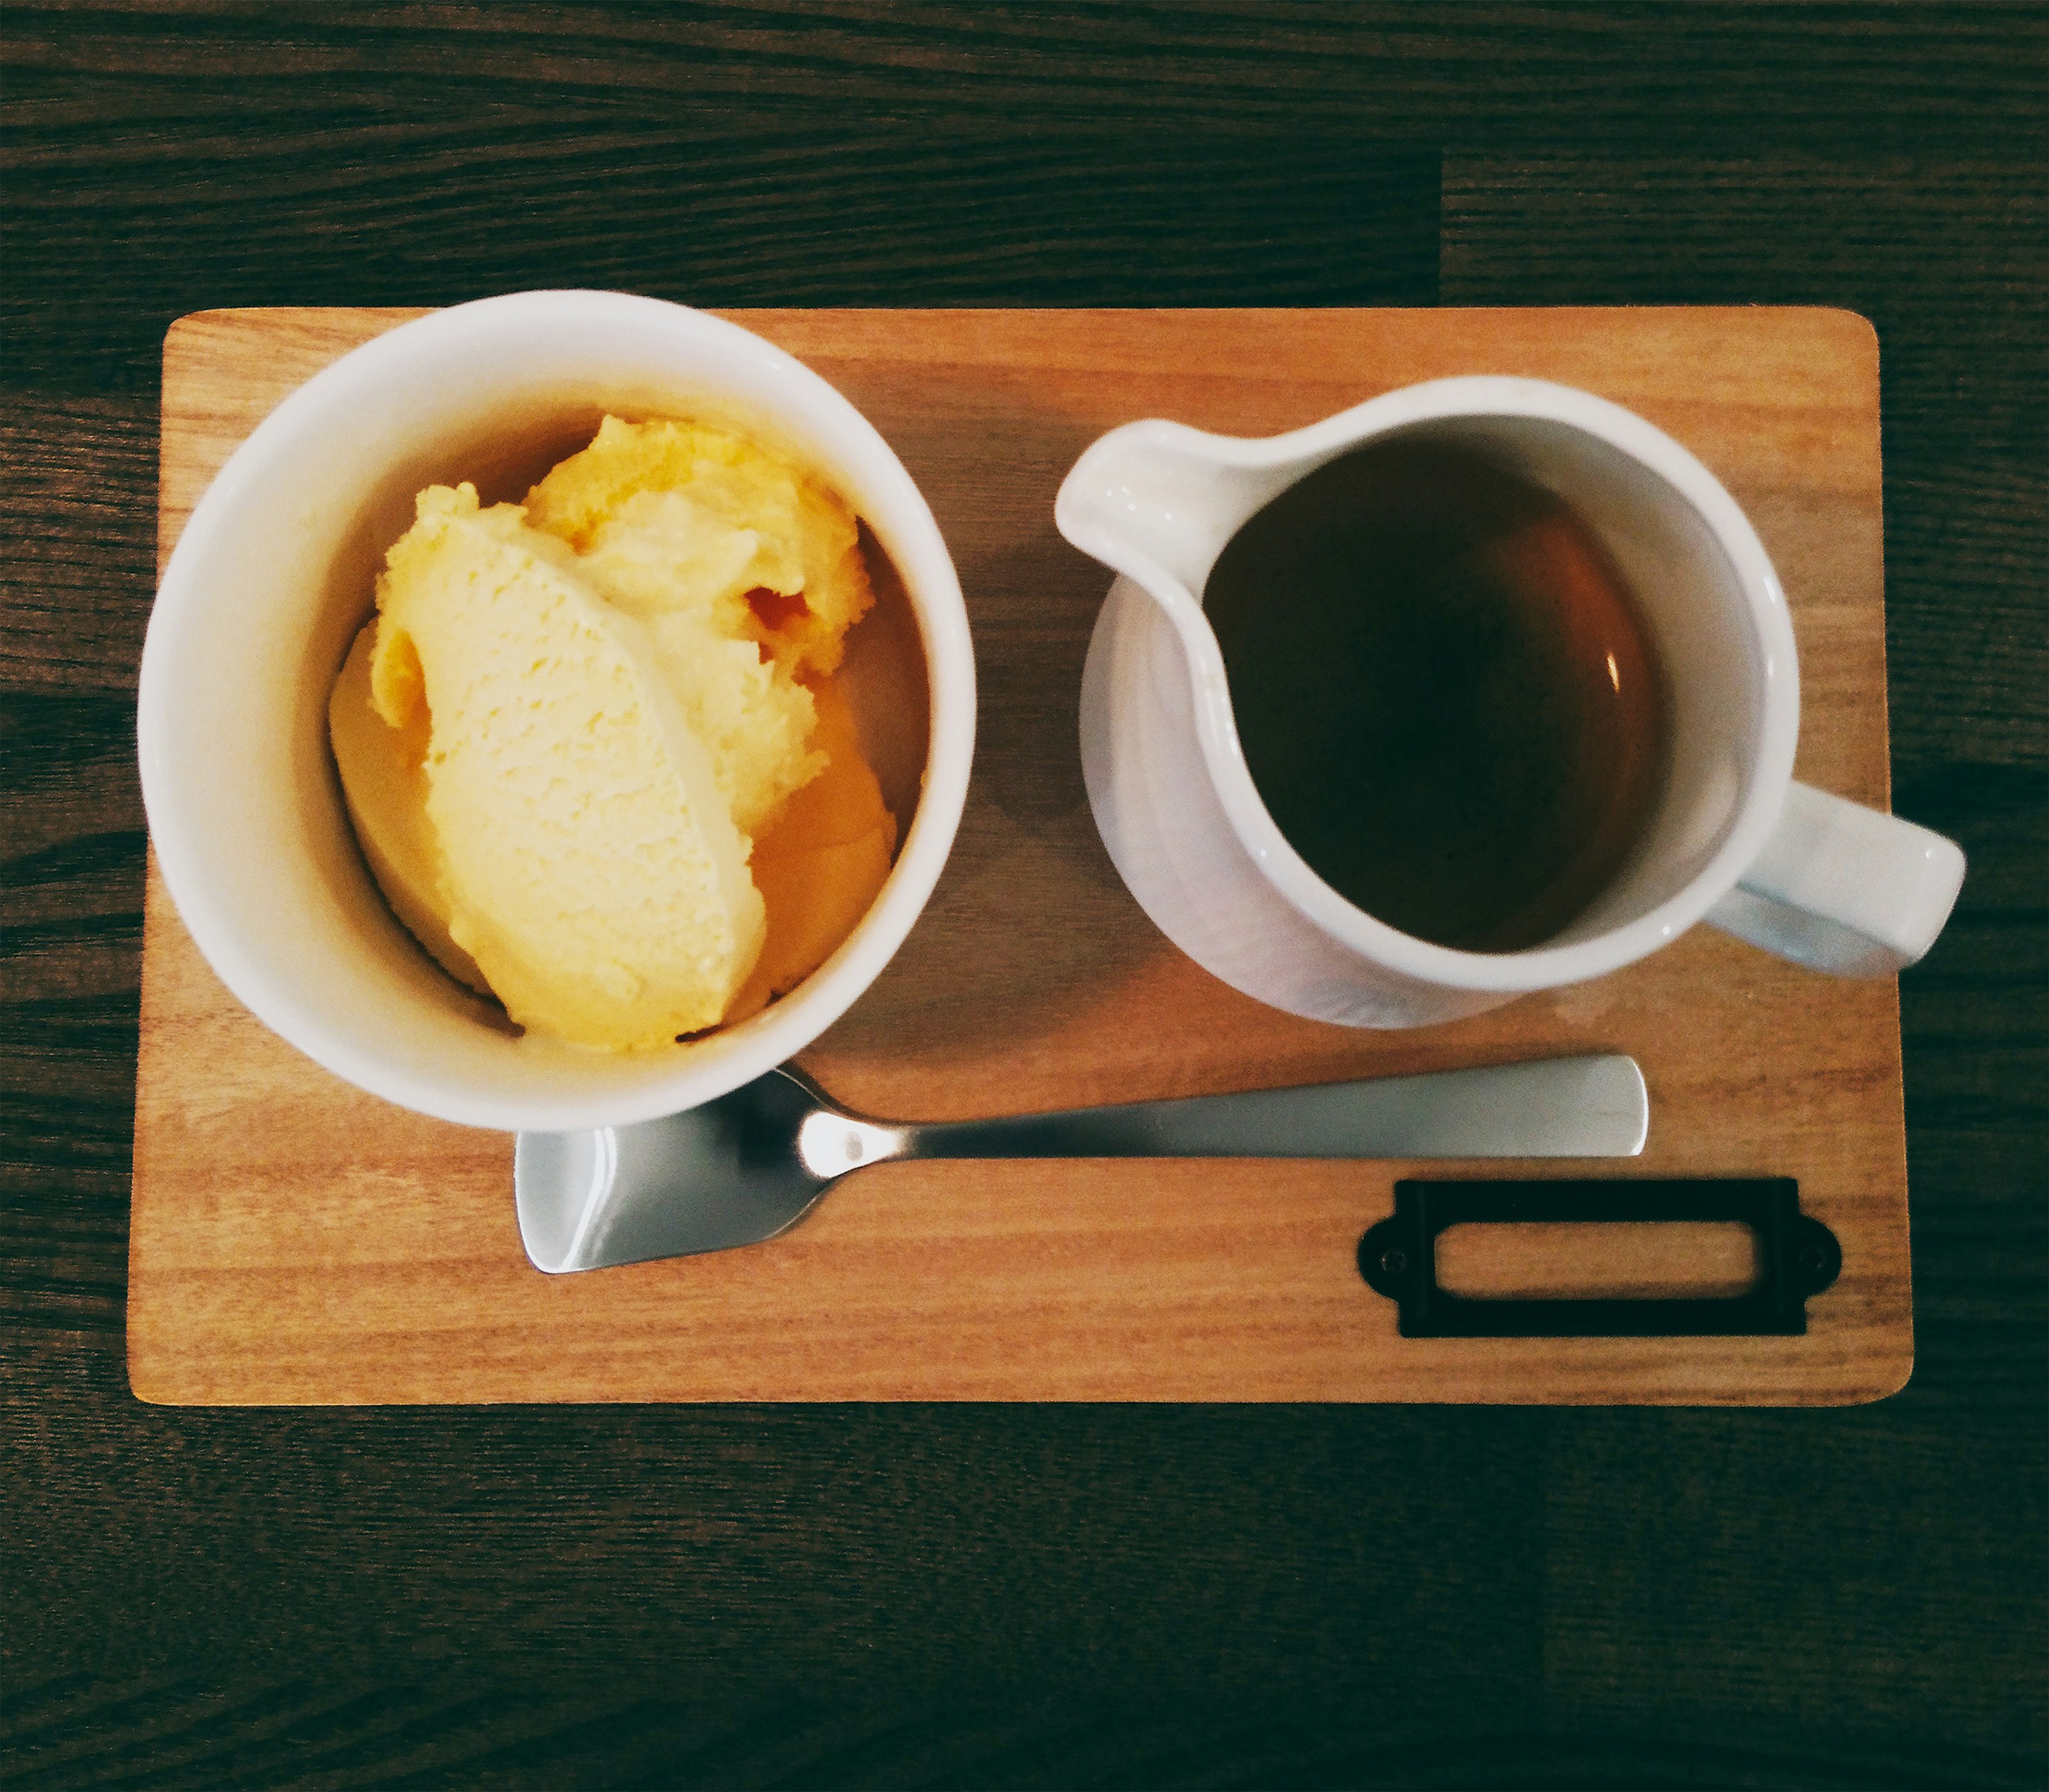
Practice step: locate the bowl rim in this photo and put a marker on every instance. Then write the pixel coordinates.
(751, 1047)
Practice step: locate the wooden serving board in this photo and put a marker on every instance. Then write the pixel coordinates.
(295, 1241)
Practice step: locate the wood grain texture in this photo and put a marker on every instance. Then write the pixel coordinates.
(75, 477)
(1019, 1596)
(71, 940)
(536, 1736)
(270, 1265)
(1765, 71)
(362, 184)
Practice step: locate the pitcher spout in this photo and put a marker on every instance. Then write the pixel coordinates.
(1158, 501)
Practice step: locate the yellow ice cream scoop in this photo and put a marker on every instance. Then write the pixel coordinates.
(684, 518)
(574, 722)
(588, 863)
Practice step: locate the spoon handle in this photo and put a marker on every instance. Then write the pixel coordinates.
(1553, 1107)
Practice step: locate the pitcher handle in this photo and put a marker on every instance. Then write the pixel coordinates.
(1843, 888)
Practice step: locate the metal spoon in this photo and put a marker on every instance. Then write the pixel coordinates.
(752, 1163)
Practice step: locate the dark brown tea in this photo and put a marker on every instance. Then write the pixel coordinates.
(1445, 696)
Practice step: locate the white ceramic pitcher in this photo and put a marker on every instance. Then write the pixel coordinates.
(1733, 840)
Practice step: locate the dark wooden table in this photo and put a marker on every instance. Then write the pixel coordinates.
(1029, 1595)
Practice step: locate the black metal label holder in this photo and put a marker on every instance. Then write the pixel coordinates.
(1798, 1257)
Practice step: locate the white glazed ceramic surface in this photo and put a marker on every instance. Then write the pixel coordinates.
(272, 578)
(1733, 839)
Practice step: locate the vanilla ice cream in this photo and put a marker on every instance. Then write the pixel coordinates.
(576, 721)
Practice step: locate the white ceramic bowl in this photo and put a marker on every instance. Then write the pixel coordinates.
(273, 577)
